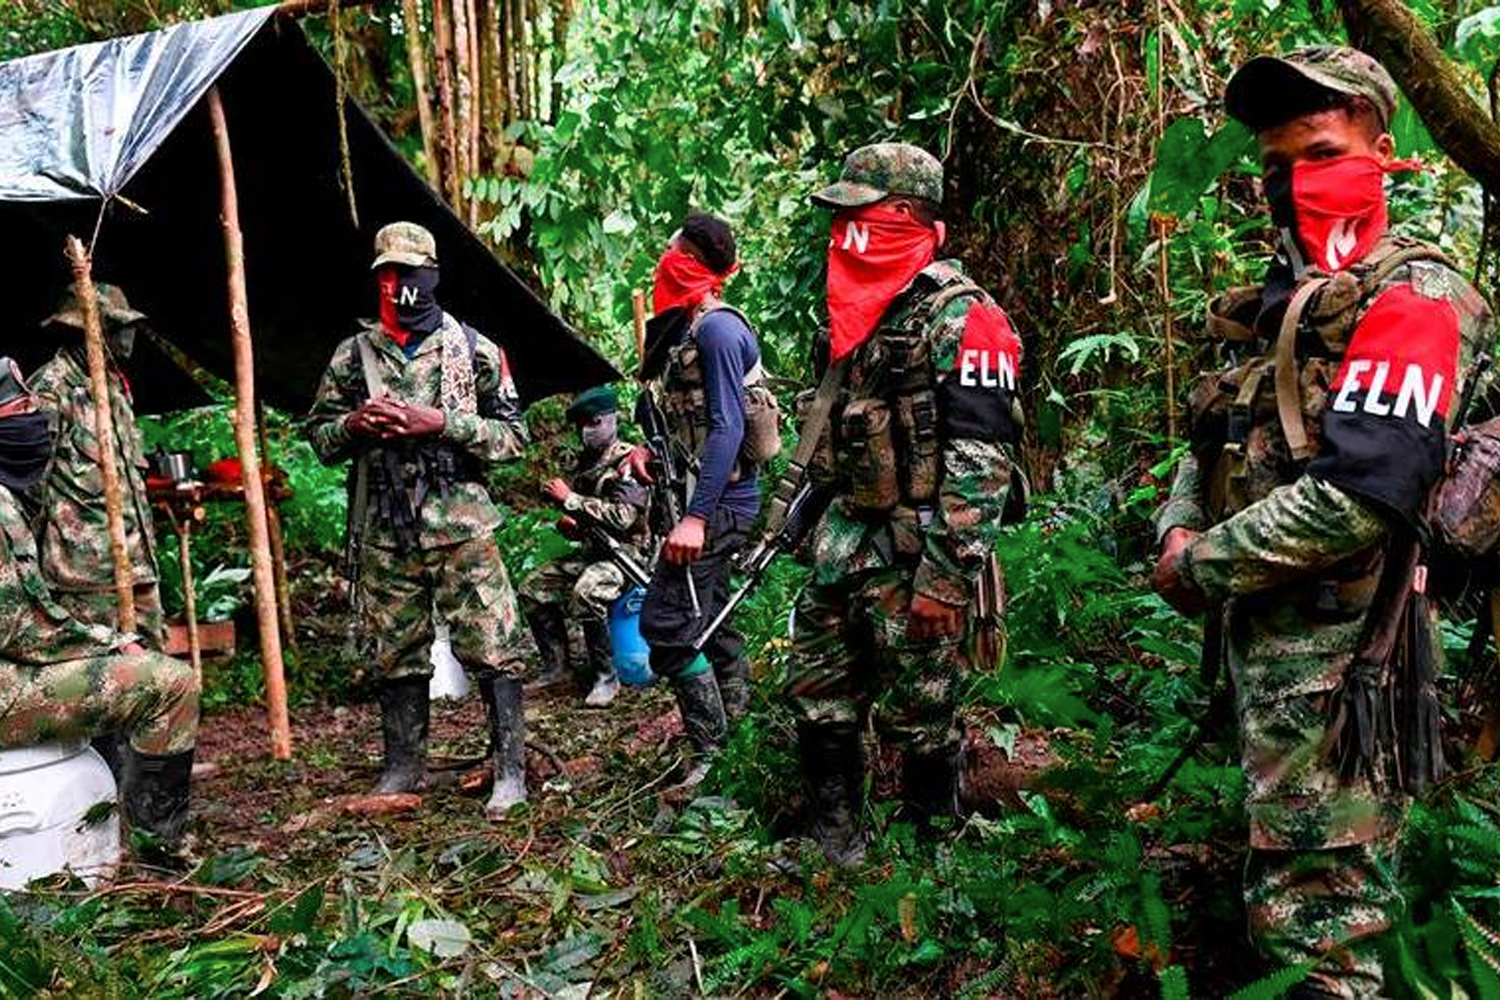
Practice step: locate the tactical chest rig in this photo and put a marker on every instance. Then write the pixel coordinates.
(885, 437)
(1255, 426)
(686, 404)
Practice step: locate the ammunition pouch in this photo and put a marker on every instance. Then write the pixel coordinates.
(869, 457)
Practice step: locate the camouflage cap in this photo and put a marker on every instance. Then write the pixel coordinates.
(881, 170)
(405, 243)
(114, 309)
(1265, 91)
(15, 394)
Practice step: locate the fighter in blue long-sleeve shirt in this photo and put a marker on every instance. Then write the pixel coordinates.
(712, 351)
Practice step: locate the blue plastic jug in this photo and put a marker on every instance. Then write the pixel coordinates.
(630, 653)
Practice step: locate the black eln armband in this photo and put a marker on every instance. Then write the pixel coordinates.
(977, 413)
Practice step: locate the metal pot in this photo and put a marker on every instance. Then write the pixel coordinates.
(174, 465)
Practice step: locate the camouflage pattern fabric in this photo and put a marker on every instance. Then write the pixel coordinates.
(849, 649)
(883, 169)
(464, 585)
(1257, 94)
(1295, 562)
(587, 581)
(62, 679)
(466, 511)
(73, 530)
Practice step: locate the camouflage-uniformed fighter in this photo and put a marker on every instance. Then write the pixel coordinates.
(73, 532)
(603, 495)
(63, 679)
(1304, 476)
(905, 589)
(423, 405)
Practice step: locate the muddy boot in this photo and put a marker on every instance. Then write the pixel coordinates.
(113, 748)
(502, 702)
(606, 684)
(702, 719)
(833, 774)
(734, 687)
(549, 627)
(403, 725)
(155, 794)
(931, 787)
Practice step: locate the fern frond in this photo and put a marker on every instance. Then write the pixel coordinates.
(1274, 986)
(1174, 983)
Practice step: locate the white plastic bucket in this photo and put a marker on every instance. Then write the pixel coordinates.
(448, 677)
(45, 793)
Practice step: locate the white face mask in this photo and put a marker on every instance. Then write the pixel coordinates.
(599, 433)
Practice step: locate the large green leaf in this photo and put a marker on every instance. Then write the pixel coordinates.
(1188, 161)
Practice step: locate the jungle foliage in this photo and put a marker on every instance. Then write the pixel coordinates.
(1097, 189)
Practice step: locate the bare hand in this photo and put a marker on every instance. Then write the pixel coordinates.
(132, 649)
(685, 544)
(930, 619)
(372, 418)
(411, 420)
(639, 464)
(1167, 577)
(569, 527)
(557, 489)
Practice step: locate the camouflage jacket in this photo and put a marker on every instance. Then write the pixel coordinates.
(1301, 527)
(606, 491)
(495, 433)
(73, 530)
(975, 469)
(34, 630)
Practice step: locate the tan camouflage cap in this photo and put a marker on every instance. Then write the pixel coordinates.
(114, 309)
(405, 243)
(1264, 91)
(881, 170)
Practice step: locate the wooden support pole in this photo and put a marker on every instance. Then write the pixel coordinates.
(104, 432)
(638, 305)
(189, 593)
(244, 437)
(278, 546)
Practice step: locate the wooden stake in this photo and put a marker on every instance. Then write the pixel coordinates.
(104, 432)
(189, 594)
(244, 438)
(638, 303)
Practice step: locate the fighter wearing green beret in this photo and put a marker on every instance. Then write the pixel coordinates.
(580, 586)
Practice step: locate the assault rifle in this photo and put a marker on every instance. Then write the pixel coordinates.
(806, 505)
(667, 475)
(599, 536)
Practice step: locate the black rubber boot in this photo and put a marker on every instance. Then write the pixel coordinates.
(601, 664)
(833, 774)
(702, 721)
(549, 627)
(155, 794)
(502, 702)
(404, 714)
(734, 687)
(113, 748)
(931, 786)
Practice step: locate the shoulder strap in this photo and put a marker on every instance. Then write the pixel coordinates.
(1288, 385)
(815, 423)
(369, 365)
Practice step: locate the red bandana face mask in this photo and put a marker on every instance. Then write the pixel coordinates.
(389, 321)
(684, 281)
(1335, 207)
(874, 253)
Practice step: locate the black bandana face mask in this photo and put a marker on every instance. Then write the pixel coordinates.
(416, 305)
(599, 433)
(25, 448)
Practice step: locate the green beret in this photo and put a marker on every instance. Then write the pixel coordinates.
(592, 402)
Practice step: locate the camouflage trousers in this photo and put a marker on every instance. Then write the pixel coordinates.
(1319, 882)
(585, 589)
(152, 698)
(99, 607)
(403, 595)
(851, 656)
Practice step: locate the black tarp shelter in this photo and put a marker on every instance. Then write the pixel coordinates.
(121, 125)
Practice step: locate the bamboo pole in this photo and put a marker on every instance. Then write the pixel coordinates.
(189, 593)
(416, 57)
(104, 432)
(244, 436)
(638, 305)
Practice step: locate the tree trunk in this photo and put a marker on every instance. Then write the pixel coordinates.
(416, 57)
(562, 16)
(494, 92)
(476, 106)
(513, 108)
(1390, 32)
(447, 136)
(464, 91)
